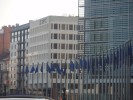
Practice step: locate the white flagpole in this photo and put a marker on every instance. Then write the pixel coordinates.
(99, 76)
(82, 78)
(61, 80)
(37, 78)
(109, 65)
(113, 75)
(91, 77)
(42, 79)
(87, 77)
(51, 81)
(74, 78)
(95, 66)
(69, 83)
(102, 96)
(79, 81)
(47, 81)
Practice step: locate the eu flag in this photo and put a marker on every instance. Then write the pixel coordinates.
(84, 63)
(48, 68)
(41, 68)
(71, 65)
(32, 69)
(27, 70)
(36, 69)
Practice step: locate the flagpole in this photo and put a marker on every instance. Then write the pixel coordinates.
(82, 79)
(95, 67)
(42, 79)
(37, 79)
(109, 65)
(32, 80)
(102, 73)
(87, 77)
(78, 82)
(99, 76)
(47, 81)
(106, 75)
(70, 83)
(91, 77)
(74, 78)
(113, 75)
(61, 81)
(51, 81)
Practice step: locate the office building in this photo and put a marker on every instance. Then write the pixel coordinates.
(18, 59)
(107, 24)
(51, 39)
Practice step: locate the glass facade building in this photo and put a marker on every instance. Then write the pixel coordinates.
(106, 24)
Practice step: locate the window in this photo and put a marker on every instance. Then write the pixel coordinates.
(63, 56)
(62, 46)
(70, 56)
(55, 35)
(70, 46)
(55, 26)
(63, 27)
(63, 36)
(70, 27)
(55, 45)
(70, 36)
(55, 56)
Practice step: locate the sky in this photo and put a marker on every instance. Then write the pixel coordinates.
(21, 11)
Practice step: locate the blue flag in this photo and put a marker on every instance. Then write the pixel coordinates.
(48, 68)
(41, 68)
(76, 65)
(88, 64)
(52, 67)
(27, 70)
(71, 66)
(36, 69)
(32, 69)
(84, 63)
(81, 63)
(65, 67)
(57, 68)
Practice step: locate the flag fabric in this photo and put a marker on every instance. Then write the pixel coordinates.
(36, 71)
(32, 69)
(41, 68)
(76, 65)
(130, 52)
(23, 70)
(80, 62)
(88, 64)
(52, 67)
(71, 66)
(84, 63)
(48, 68)
(64, 69)
(27, 70)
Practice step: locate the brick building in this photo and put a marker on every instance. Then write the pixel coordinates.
(5, 41)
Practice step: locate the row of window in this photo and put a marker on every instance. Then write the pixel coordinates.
(19, 38)
(18, 33)
(63, 36)
(57, 26)
(62, 56)
(15, 46)
(64, 46)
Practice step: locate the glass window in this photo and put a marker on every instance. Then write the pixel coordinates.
(70, 46)
(70, 56)
(55, 56)
(63, 36)
(70, 27)
(62, 46)
(63, 27)
(63, 56)
(55, 45)
(70, 37)
(55, 26)
(55, 35)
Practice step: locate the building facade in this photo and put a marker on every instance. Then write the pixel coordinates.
(51, 39)
(107, 24)
(18, 59)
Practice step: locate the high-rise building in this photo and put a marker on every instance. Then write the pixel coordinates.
(107, 24)
(18, 59)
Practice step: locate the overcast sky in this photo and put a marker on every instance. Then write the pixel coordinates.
(21, 11)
